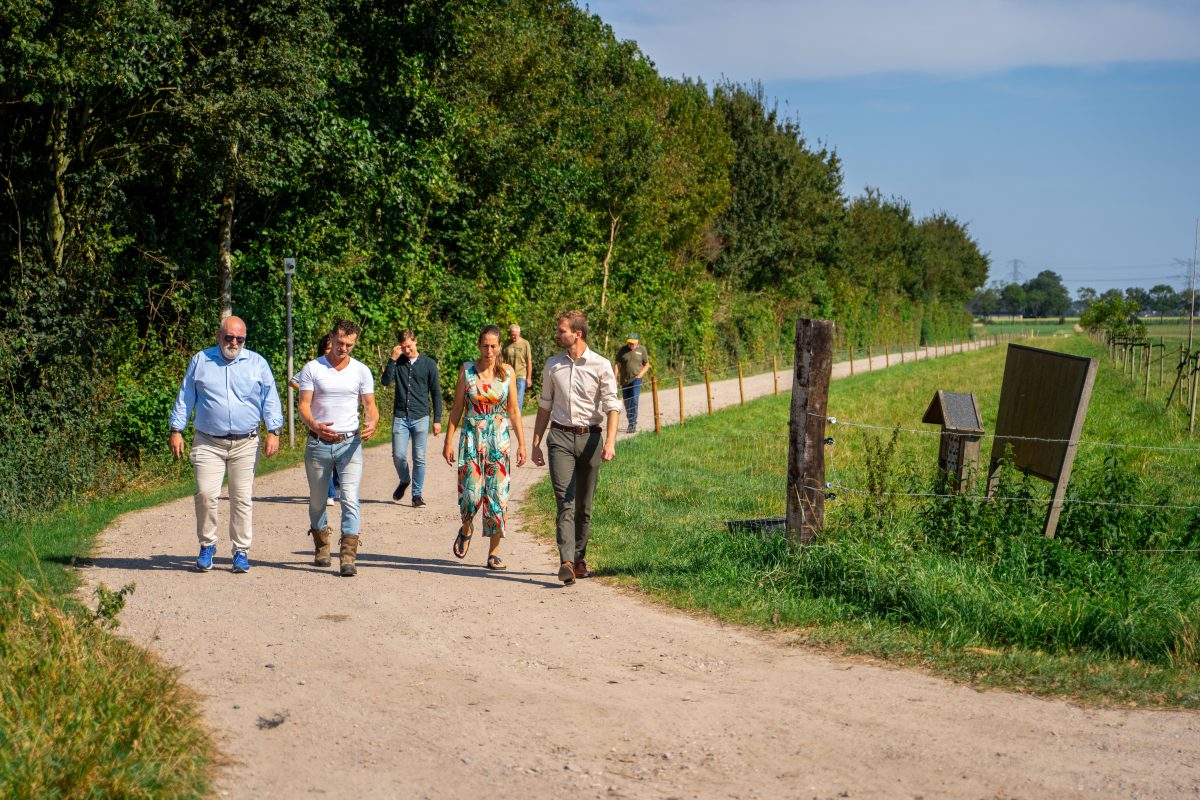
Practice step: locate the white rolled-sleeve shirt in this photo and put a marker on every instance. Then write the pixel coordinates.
(579, 392)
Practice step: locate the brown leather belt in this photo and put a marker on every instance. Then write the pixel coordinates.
(578, 430)
(341, 437)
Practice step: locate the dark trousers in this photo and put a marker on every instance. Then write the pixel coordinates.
(630, 393)
(574, 467)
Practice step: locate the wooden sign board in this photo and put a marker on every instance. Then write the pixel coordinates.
(1043, 402)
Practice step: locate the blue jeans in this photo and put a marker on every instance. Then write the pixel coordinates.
(630, 393)
(520, 394)
(418, 431)
(320, 460)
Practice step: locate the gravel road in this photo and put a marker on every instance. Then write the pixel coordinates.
(427, 677)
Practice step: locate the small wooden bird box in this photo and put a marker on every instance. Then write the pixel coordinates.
(962, 428)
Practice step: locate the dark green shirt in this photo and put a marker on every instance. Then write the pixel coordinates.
(630, 360)
(416, 385)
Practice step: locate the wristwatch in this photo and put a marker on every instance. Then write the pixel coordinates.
(274, 431)
(173, 430)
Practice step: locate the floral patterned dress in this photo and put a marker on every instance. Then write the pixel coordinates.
(483, 463)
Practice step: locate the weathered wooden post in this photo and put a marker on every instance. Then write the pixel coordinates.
(806, 448)
(654, 395)
(887, 356)
(1162, 359)
(708, 391)
(1192, 413)
(775, 374)
(1149, 350)
(870, 364)
(741, 388)
(681, 398)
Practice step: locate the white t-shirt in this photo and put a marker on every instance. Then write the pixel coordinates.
(336, 392)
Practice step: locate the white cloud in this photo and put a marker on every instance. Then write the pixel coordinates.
(795, 39)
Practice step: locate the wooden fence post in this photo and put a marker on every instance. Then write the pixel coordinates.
(741, 389)
(870, 364)
(1149, 348)
(887, 357)
(1192, 413)
(654, 394)
(708, 391)
(806, 446)
(775, 373)
(681, 399)
(1162, 360)
(851, 356)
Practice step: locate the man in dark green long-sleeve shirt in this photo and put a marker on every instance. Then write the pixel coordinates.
(416, 380)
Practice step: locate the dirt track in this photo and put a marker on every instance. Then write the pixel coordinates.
(429, 677)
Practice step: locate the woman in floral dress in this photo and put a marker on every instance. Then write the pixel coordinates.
(483, 397)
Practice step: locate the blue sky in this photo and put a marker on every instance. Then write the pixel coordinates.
(1065, 133)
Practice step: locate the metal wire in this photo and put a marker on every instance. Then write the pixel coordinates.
(927, 432)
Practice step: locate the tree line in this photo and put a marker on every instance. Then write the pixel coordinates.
(433, 165)
(1045, 295)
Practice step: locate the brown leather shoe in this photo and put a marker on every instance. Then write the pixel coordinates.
(581, 570)
(566, 574)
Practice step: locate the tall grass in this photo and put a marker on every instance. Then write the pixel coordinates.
(86, 714)
(968, 587)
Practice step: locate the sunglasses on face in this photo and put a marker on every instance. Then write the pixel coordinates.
(230, 338)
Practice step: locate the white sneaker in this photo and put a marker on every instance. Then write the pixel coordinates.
(328, 501)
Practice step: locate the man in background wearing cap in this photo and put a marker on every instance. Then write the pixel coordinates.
(631, 364)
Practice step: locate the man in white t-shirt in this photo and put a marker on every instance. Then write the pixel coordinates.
(330, 390)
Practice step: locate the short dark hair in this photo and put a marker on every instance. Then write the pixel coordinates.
(404, 336)
(577, 320)
(347, 327)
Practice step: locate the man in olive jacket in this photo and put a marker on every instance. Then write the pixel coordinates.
(416, 379)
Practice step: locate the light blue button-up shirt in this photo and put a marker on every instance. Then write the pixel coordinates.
(229, 397)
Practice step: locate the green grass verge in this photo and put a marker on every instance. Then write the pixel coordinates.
(84, 713)
(966, 589)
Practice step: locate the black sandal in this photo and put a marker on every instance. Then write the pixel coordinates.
(494, 562)
(461, 544)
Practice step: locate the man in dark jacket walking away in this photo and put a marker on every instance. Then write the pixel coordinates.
(417, 392)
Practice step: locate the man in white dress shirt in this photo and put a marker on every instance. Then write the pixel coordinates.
(579, 401)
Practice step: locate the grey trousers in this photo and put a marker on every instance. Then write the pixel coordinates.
(574, 467)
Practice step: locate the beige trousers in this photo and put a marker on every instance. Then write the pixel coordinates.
(212, 459)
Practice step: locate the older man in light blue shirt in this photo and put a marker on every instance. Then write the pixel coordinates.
(231, 390)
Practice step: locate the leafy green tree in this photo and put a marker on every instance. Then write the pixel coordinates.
(985, 302)
(949, 264)
(1115, 315)
(1013, 299)
(1046, 296)
(255, 79)
(1164, 299)
(783, 225)
(1139, 297)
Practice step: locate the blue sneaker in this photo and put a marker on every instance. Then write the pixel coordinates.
(241, 561)
(204, 560)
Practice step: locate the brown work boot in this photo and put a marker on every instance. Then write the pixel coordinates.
(349, 551)
(580, 569)
(321, 542)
